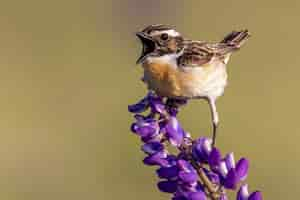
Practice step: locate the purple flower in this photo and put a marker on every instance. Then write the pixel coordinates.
(214, 158)
(157, 106)
(231, 173)
(185, 166)
(167, 186)
(229, 161)
(139, 107)
(168, 172)
(255, 196)
(231, 180)
(185, 174)
(242, 168)
(201, 149)
(188, 177)
(197, 196)
(243, 194)
(158, 158)
(152, 147)
(145, 128)
(174, 132)
(189, 192)
(172, 159)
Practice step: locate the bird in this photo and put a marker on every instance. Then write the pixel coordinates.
(181, 68)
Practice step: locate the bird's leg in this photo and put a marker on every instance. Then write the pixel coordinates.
(215, 118)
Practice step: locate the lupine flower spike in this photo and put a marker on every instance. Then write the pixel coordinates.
(198, 171)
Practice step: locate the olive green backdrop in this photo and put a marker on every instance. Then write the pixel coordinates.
(67, 74)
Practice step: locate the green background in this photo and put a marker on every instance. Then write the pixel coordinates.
(67, 74)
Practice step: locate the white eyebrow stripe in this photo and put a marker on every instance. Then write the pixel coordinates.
(171, 33)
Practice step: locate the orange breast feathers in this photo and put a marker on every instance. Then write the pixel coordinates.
(165, 80)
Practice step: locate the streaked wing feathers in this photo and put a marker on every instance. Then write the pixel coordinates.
(197, 53)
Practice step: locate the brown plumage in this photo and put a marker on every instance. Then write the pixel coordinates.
(175, 67)
(198, 53)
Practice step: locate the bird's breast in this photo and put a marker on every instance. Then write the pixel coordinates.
(162, 78)
(169, 81)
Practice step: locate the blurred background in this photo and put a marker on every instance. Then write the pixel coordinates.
(67, 74)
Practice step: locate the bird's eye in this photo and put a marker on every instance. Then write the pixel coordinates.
(164, 36)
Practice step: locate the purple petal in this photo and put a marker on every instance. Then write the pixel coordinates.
(197, 196)
(243, 193)
(152, 147)
(185, 166)
(139, 107)
(139, 117)
(157, 106)
(188, 177)
(214, 158)
(199, 187)
(158, 158)
(146, 128)
(174, 131)
(201, 149)
(173, 124)
(151, 138)
(172, 159)
(173, 111)
(223, 169)
(167, 186)
(231, 180)
(186, 188)
(179, 195)
(134, 127)
(167, 172)
(146, 131)
(242, 167)
(229, 159)
(179, 198)
(255, 196)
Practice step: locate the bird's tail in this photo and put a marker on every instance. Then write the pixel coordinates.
(236, 38)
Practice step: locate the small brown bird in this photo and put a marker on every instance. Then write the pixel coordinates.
(176, 67)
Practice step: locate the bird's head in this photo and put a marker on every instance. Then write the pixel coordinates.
(159, 40)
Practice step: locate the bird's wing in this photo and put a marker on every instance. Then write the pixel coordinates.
(197, 54)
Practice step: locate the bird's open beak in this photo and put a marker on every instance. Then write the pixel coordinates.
(148, 46)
